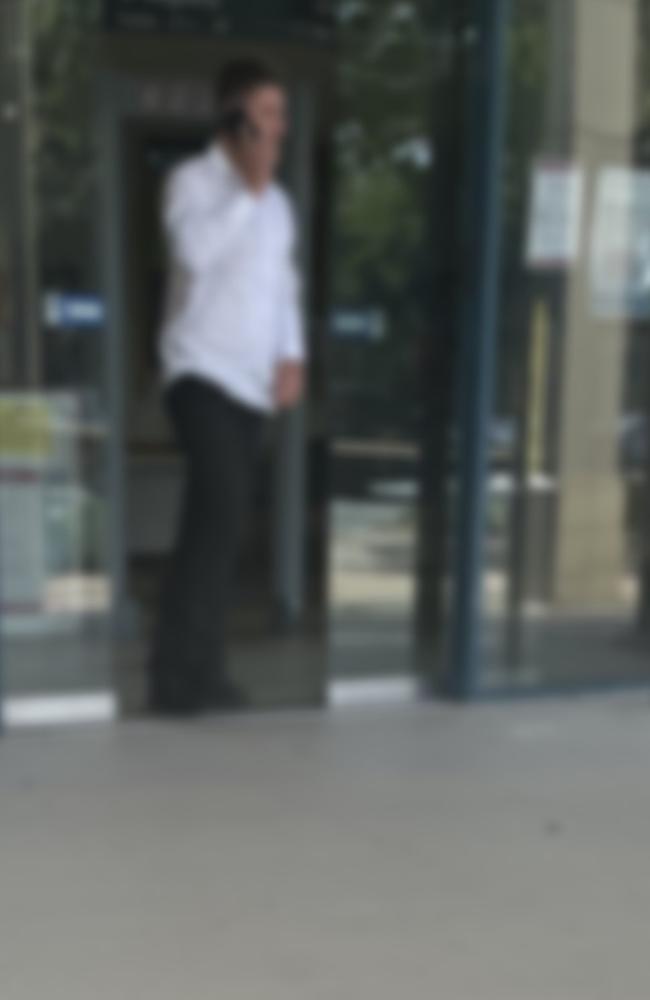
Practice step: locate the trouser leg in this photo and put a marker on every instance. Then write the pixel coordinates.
(219, 442)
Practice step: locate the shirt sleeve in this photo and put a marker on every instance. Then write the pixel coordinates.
(292, 337)
(201, 233)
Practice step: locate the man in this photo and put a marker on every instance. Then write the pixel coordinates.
(232, 351)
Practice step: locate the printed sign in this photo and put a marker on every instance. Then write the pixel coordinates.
(73, 311)
(38, 470)
(555, 216)
(358, 324)
(620, 245)
(25, 427)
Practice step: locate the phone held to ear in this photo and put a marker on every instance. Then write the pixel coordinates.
(235, 124)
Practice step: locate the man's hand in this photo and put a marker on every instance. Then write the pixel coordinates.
(256, 158)
(289, 384)
(256, 148)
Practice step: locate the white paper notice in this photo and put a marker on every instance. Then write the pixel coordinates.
(39, 479)
(22, 508)
(555, 215)
(620, 245)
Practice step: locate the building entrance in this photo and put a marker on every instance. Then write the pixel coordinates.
(277, 617)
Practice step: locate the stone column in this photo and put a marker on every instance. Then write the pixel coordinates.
(589, 559)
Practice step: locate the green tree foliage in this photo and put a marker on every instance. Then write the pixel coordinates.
(386, 67)
(393, 57)
(64, 113)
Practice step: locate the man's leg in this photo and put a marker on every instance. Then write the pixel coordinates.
(219, 440)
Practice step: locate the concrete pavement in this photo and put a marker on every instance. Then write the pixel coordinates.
(492, 853)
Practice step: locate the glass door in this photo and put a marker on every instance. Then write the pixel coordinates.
(566, 582)
(278, 653)
(392, 335)
(55, 589)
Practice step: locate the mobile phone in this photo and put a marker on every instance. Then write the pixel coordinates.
(235, 124)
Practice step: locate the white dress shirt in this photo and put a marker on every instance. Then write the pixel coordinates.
(233, 311)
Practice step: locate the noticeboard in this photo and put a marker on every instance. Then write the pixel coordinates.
(303, 20)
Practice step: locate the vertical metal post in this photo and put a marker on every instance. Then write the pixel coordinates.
(111, 98)
(2, 672)
(486, 120)
(31, 374)
(289, 521)
(8, 111)
(16, 217)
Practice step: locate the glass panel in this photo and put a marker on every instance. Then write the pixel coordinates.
(391, 334)
(55, 593)
(92, 119)
(566, 580)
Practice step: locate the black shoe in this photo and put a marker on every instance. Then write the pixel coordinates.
(228, 697)
(170, 697)
(174, 710)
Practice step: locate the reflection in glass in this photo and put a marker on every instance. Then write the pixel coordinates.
(389, 366)
(54, 581)
(565, 577)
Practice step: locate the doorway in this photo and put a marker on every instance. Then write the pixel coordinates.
(322, 531)
(277, 615)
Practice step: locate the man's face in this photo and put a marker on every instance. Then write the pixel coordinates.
(266, 107)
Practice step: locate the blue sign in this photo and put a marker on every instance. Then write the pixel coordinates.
(358, 324)
(73, 311)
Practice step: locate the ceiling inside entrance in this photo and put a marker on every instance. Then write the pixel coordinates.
(305, 19)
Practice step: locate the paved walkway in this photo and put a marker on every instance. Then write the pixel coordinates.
(493, 853)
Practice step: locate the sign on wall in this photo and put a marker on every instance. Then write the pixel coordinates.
(25, 442)
(358, 324)
(555, 216)
(306, 19)
(620, 245)
(73, 311)
(38, 477)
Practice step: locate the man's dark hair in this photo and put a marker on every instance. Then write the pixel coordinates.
(241, 76)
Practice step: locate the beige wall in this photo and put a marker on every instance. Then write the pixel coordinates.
(590, 534)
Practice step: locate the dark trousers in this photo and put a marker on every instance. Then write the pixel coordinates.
(219, 439)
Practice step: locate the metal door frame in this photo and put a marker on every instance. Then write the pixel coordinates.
(482, 223)
(118, 103)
